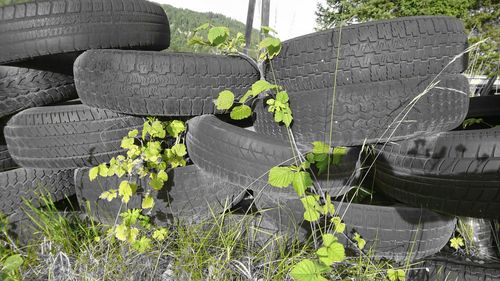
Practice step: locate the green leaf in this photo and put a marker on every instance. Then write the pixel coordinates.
(218, 35)
(133, 133)
(225, 100)
(127, 142)
(338, 154)
(267, 30)
(179, 149)
(162, 175)
(332, 251)
(301, 181)
(282, 97)
(148, 202)
(312, 207)
(156, 183)
(287, 118)
(241, 112)
(471, 121)
(361, 242)
(121, 232)
(125, 190)
(142, 245)
(396, 274)
(339, 225)
(12, 263)
(271, 45)
(94, 171)
(280, 176)
(103, 170)
(261, 86)
(160, 234)
(320, 147)
(157, 130)
(307, 270)
(175, 128)
(328, 208)
(456, 242)
(108, 195)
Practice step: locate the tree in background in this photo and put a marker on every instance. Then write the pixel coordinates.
(481, 18)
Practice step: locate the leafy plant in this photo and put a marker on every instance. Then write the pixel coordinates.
(457, 243)
(10, 265)
(150, 155)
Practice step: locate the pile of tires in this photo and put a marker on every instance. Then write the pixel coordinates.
(396, 84)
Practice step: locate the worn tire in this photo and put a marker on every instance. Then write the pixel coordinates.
(448, 267)
(62, 29)
(367, 112)
(454, 172)
(160, 84)
(66, 136)
(484, 106)
(6, 161)
(392, 232)
(244, 157)
(189, 194)
(25, 183)
(22, 88)
(371, 52)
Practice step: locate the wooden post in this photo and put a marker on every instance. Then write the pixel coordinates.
(266, 5)
(249, 26)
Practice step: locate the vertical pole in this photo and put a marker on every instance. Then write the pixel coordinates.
(266, 5)
(249, 26)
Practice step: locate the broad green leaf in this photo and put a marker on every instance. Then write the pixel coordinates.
(148, 202)
(121, 232)
(267, 30)
(287, 118)
(225, 100)
(241, 112)
(339, 225)
(179, 149)
(396, 274)
(282, 97)
(320, 147)
(280, 176)
(125, 190)
(301, 182)
(12, 263)
(311, 215)
(108, 195)
(331, 254)
(338, 154)
(471, 121)
(133, 133)
(271, 45)
(307, 270)
(94, 171)
(218, 35)
(157, 130)
(152, 151)
(103, 170)
(361, 242)
(312, 207)
(142, 245)
(162, 175)
(127, 142)
(156, 183)
(328, 208)
(261, 86)
(175, 128)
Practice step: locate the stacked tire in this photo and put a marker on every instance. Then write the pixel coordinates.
(386, 83)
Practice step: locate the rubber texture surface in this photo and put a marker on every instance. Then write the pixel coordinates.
(189, 194)
(6, 161)
(51, 27)
(25, 183)
(485, 106)
(372, 111)
(244, 157)
(160, 84)
(454, 172)
(67, 136)
(453, 268)
(22, 88)
(371, 52)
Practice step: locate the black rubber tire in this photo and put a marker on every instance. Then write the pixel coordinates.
(453, 172)
(160, 84)
(22, 88)
(371, 52)
(51, 27)
(244, 157)
(6, 161)
(485, 106)
(67, 136)
(25, 183)
(367, 110)
(453, 268)
(190, 194)
(392, 232)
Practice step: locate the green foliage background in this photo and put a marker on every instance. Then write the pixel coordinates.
(481, 18)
